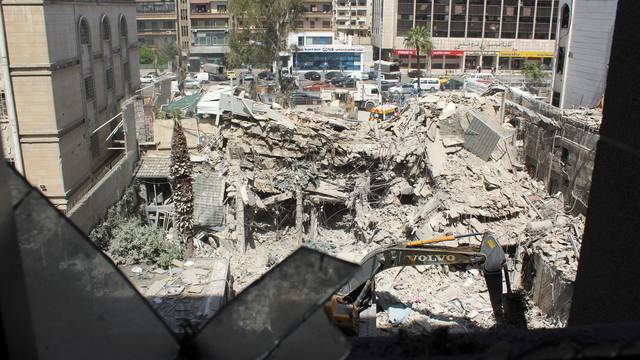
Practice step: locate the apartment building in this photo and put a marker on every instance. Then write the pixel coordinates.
(156, 22)
(204, 28)
(492, 34)
(585, 32)
(353, 18)
(70, 65)
(209, 32)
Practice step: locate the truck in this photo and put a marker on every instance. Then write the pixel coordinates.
(388, 71)
(213, 69)
(365, 96)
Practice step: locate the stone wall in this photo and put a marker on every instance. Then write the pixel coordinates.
(558, 149)
(94, 204)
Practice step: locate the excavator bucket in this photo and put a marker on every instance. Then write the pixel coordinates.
(492, 269)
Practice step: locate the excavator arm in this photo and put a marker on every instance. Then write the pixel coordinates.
(357, 294)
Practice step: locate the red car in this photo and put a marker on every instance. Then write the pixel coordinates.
(317, 86)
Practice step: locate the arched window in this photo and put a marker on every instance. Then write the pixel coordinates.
(564, 16)
(85, 32)
(123, 27)
(106, 28)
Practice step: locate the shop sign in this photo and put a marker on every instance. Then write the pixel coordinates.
(330, 49)
(484, 44)
(411, 52)
(527, 54)
(447, 52)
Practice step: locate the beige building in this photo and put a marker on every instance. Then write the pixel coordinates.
(204, 28)
(500, 34)
(71, 64)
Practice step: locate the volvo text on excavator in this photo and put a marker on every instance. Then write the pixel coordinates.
(359, 292)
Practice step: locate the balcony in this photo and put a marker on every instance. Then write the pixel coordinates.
(318, 14)
(156, 32)
(156, 16)
(209, 15)
(208, 49)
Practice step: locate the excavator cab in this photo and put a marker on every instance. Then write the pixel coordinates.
(358, 293)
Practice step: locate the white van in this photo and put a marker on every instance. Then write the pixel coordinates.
(484, 78)
(427, 84)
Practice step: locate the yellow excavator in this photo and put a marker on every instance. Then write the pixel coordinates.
(358, 293)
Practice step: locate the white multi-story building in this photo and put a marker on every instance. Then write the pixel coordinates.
(585, 32)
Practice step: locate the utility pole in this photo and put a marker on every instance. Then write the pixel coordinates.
(379, 11)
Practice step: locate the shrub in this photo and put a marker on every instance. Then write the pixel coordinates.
(134, 242)
(128, 240)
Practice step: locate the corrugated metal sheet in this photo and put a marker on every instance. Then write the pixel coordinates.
(482, 135)
(208, 192)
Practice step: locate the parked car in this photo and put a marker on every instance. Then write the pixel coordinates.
(332, 75)
(245, 76)
(312, 75)
(454, 84)
(347, 83)
(336, 81)
(148, 79)
(266, 75)
(427, 84)
(218, 77)
(191, 84)
(358, 76)
(170, 76)
(406, 89)
(414, 73)
(484, 78)
(302, 98)
(318, 86)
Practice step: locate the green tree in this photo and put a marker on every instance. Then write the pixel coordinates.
(419, 38)
(533, 73)
(181, 184)
(167, 52)
(262, 30)
(147, 55)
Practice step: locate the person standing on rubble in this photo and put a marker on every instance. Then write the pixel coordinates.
(479, 69)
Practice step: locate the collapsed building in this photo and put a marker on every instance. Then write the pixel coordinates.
(269, 180)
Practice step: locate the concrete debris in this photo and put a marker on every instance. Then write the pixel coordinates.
(397, 315)
(362, 185)
(195, 293)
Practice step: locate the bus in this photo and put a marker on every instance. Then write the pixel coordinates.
(389, 71)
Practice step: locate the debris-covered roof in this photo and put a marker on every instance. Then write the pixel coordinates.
(154, 167)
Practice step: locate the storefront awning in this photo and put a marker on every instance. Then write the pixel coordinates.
(399, 52)
(526, 54)
(447, 52)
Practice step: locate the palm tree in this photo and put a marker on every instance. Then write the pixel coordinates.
(419, 38)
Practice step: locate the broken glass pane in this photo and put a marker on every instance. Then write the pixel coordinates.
(274, 307)
(82, 307)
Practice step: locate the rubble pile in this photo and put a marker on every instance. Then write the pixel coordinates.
(347, 187)
(589, 117)
(554, 235)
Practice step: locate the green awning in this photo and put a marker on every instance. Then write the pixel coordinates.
(187, 102)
